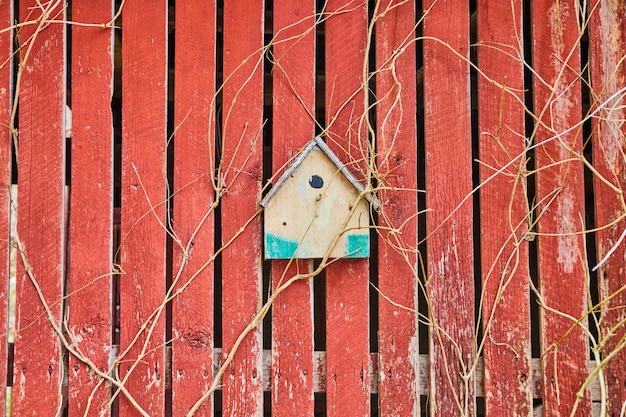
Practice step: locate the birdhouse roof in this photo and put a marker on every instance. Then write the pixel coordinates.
(318, 143)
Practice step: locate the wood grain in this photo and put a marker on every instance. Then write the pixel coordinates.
(607, 41)
(242, 173)
(91, 207)
(396, 145)
(41, 217)
(449, 219)
(293, 104)
(193, 218)
(503, 211)
(6, 87)
(143, 235)
(560, 206)
(347, 283)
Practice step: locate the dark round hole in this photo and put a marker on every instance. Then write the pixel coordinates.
(316, 181)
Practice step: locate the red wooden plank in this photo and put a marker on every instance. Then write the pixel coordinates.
(448, 181)
(397, 266)
(37, 363)
(6, 43)
(347, 280)
(560, 197)
(503, 211)
(91, 206)
(192, 310)
(242, 173)
(293, 126)
(142, 285)
(607, 41)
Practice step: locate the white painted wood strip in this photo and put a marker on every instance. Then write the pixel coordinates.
(320, 374)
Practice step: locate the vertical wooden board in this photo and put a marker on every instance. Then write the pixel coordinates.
(560, 211)
(396, 143)
(192, 309)
(6, 43)
(142, 252)
(607, 41)
(41, 223)
(503, 211)
(347, 280)
(293, 126)
(91, 207)
(449, 219)
(242, 175)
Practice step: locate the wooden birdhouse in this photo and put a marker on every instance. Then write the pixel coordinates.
(315, 207)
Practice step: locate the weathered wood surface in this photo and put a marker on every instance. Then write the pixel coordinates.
(347, 373)
(607, 40)
(503, 211)
(315, 210)
(193, 216)
(293, 368)
(143, 234)
(41, 223)
(347, 283)
(449, 222)
(396, 145)
(91, 208)
(242, 174)
(319, 358)
(560, 206)
(6, 82)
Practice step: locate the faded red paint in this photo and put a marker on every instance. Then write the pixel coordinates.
(6, 43)
(192, 310)
(293, 368)
(503, 212)
(91, 206)
(347, 284)
(344, 373)
(142, 253)
(560, 193)
(607, 40)
(398, 359)
(242, 172)
(448, 181)
(41, 222)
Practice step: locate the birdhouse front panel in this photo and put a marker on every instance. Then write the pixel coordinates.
(316, 210)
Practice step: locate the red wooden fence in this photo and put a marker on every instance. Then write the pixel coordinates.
(91, 206)
(41, 240)
(398, 338)
(492, 135)
(504, 205)
(192, 323)
(6, 41)
(607, 81)
(560, 203)
(293, 109)
(448, 147)
(347, 293)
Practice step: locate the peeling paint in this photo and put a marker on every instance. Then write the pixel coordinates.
(615, 114)
(567, 255)
(154, 379)
(562, 104)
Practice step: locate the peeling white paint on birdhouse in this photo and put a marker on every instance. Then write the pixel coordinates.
(313, 202)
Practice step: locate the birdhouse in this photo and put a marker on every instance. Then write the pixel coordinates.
(317, 207)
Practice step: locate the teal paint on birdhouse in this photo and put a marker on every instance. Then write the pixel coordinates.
(277, 247)
(358, 246)
(316, 208)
